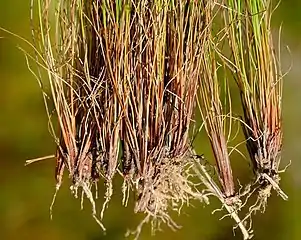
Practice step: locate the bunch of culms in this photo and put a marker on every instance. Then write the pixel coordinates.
(127, 79)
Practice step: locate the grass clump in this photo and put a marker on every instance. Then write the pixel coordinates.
(257, 72)
(83, 87)
(159, 100)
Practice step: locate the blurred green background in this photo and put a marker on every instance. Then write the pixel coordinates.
(26, 192)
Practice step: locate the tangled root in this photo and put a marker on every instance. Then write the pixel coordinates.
(230, 205)
(265, 183)
(86, 191)
(263, 187)
(83, 187)
(166, 186)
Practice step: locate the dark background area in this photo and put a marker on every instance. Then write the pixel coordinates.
(26, 192)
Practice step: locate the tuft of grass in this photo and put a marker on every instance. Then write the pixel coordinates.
(162, 81)
(77, 46)
(257, 72)
(214, 103)
(212, 110)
